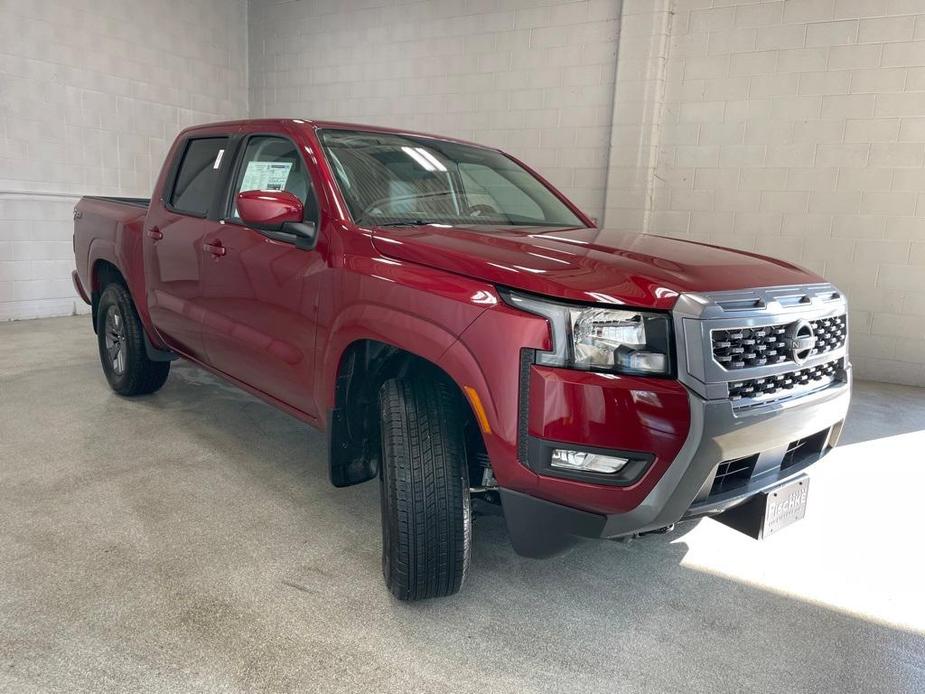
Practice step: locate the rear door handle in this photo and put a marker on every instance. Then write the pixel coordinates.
(155, 233)
(215, 248)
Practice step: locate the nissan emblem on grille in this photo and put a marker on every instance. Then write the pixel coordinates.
(800, 341)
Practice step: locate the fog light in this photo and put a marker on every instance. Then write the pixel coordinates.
(565, 459)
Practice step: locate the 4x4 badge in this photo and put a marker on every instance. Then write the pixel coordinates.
(800, 340)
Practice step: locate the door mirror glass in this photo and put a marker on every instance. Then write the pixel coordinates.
(268, 210)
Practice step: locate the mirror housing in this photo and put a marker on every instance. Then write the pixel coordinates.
(269, 210)
(305, 233)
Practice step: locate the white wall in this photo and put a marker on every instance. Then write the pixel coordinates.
(91, 95)
(792, 127)
(533, 77)
(797, 129)
(638, 105)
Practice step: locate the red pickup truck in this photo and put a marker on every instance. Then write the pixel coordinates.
(460, 329)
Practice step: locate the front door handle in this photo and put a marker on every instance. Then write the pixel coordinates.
(155, 233)
(214, 247)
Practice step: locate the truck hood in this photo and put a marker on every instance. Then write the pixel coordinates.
(589, 265)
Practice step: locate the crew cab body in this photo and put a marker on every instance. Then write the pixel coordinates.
(753, 385)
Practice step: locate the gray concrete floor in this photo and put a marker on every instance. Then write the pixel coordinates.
(190, 541)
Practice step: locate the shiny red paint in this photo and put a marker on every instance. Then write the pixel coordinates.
(587, 265)
(108, 233)
(173, 258)
(276, 320)
(268, 209)
(647, 415)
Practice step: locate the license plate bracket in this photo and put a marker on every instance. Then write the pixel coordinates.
(771, 511)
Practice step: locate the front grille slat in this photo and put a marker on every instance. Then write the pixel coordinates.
(740, 348)
(778, 383)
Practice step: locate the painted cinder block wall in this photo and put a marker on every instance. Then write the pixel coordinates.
(535, 78)
(797, 129)
(92, 94)
(790, 127)
(794, 128)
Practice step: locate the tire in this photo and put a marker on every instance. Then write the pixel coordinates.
(424, 490)
(122, 346)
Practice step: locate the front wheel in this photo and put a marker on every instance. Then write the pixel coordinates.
(122, 347)
(424, 487)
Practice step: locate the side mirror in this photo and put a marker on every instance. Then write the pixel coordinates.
(269, 210)
(277, 212)
(305, 233)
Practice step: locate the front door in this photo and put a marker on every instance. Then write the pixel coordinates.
(259, 294)
(173, 242)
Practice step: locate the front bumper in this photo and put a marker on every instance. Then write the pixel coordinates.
(717, 433)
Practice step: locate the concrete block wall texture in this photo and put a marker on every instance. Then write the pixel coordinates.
(797, 129)
(535, 77)
(91, 95)
(791, 128)
(794, 128)
(638, 102)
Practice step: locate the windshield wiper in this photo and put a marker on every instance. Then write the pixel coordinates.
(409, 223)
(468, 222)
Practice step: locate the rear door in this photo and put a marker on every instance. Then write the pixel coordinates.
(174, 232)
(260, 294)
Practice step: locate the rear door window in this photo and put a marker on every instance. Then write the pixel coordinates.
(198, 175)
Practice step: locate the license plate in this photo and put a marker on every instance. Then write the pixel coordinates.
(766, 513)
(785, 505)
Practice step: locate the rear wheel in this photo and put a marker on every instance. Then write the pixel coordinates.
(122, 348)
(424, 488)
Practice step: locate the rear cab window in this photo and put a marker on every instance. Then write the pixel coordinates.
(198, 175)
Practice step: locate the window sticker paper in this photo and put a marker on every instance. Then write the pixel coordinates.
(266, 175)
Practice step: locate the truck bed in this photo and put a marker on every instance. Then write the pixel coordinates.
(134, 202)
(110, 228)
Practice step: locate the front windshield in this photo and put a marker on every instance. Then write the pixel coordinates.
(400, 179)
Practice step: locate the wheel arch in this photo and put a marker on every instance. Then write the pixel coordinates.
(353, 426)
(102, 273)
(106, 265)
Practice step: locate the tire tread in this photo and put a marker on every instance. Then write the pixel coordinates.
(427, 495)
(142, 375)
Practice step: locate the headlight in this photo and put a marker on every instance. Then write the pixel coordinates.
(601, 339)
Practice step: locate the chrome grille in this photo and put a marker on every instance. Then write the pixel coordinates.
(741, 348)
(830, 333)
(787, 381)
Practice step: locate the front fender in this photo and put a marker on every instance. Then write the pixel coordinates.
(420, 310)
(391, 326)
(351, 459)
(485, 359)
